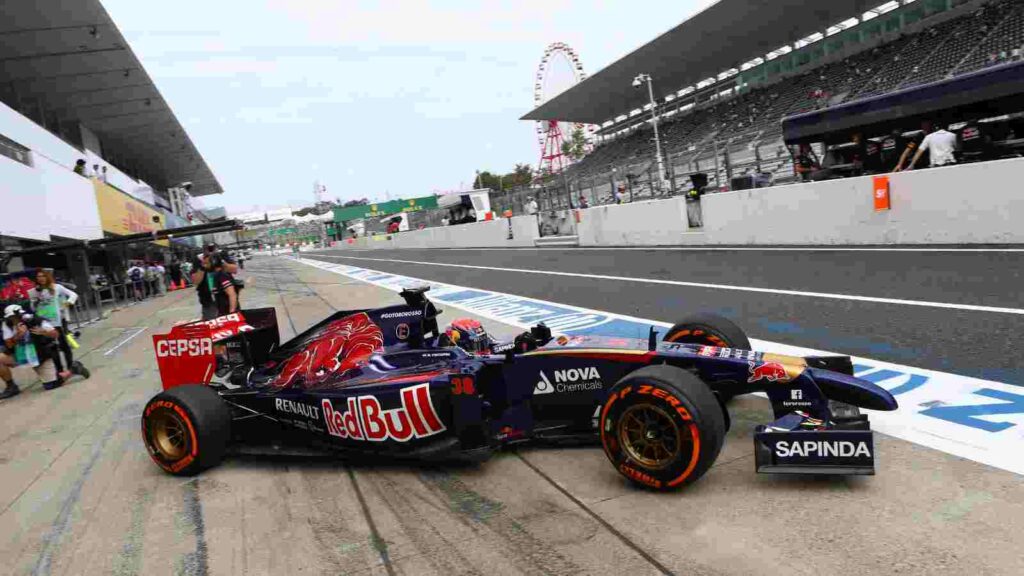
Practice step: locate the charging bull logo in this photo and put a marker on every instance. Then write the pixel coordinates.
(338, 348)
(770, 371)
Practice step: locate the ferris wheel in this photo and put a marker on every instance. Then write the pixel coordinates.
(559, 70)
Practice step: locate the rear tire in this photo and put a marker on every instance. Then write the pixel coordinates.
(662, 427)
(186, 429)
(709, 330)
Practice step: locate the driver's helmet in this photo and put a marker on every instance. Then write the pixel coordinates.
(468, 334)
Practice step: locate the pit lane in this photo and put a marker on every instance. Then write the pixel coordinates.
(83, 498)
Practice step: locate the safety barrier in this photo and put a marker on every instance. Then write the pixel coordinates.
(966, 204)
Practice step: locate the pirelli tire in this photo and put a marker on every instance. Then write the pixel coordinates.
(186, 429)
(662, 427)
(710, 330)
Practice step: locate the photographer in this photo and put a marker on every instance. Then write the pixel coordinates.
(30, 341)
(49, 301)
(204, 280)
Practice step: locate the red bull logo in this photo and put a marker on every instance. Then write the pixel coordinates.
(770, 371)
(364, 419)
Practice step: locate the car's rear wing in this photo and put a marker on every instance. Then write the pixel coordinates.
(186, 354)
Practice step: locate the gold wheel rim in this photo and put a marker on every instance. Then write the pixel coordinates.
(650, 436)
(169, 435)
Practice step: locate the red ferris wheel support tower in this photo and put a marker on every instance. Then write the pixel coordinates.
(552, 160)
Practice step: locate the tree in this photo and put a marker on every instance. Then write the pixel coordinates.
(576, 146)
(360, 202)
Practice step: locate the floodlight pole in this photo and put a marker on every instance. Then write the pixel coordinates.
(654, 117)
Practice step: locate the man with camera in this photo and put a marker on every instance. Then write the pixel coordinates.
(28, 340)
(205, 280)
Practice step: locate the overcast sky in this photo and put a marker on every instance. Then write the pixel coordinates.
(368, 97)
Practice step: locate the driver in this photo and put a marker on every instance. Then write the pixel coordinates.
(468, 334)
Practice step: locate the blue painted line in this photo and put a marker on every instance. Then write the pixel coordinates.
(968, 415)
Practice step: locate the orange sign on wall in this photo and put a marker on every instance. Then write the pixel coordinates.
(881, 193)
(122, 215)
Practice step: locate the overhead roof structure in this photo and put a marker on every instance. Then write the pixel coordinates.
(72, 57)
(719, 38)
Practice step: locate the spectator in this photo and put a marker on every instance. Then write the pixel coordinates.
(29, 341)
(136, 275)
(103, 175)
(161, 278)
(893, 146)
(95, 171)
(912, 145)
(150, 273)
(941, 144)
(186, 272)
(445, 220)
(80, 167)
(583, 204)
(531, 206)
(806, 162)
(49, 299)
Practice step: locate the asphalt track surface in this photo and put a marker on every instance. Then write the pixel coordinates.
(983, 343)
(81, 496)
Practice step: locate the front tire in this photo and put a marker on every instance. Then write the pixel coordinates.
(186, 429)
(662, 427)
(709, 330)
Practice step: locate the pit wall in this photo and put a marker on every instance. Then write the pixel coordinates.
(969, 204)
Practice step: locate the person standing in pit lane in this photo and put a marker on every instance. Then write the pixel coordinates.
(203, 277)
(225, 289)
(50, 301)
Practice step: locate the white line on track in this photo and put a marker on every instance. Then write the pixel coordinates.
(125, 341)
(826, 295)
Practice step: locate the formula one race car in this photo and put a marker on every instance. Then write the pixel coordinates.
(388, 382)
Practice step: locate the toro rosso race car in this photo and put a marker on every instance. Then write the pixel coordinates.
(388, 382)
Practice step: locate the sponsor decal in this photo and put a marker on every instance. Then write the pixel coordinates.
(292, 407)
(407, 314)
(570, 380)
(707, 351)
(796, 399)
(659, 393)
(770, 371)
(363, 418)
(402, 331)
(563, 340)
(503, 347)
(183, 347)
(638, 476)
(822, 448)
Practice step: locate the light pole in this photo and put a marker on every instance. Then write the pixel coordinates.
(637, 82)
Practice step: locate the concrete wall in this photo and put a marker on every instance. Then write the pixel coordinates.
(647, 223)
(969, 204)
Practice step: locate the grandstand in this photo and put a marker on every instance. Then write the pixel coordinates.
(728, 123)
